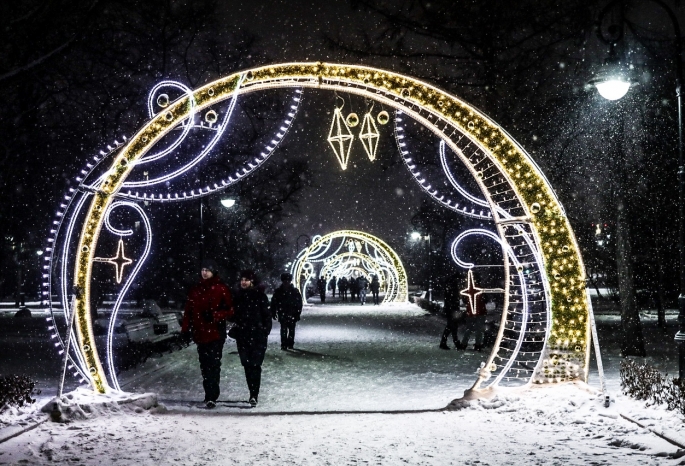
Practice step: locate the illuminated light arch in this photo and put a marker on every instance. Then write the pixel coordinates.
(342, 252)
(545, 284)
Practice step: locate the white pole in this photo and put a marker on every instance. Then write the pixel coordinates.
(598, 354)
(66, 348)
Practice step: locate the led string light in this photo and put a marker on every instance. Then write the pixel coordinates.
(506, 248)
(411, 166)
(207, 149)
(240, 173)
(129, 281)
(369, 135)
(70, 210)
(187, 93)
(524, 192)
(340, 137)
(318, 252)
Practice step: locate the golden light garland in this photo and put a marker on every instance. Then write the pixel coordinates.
(567, 353)
(397, 273)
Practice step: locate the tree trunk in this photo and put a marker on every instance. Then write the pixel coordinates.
(632, 343)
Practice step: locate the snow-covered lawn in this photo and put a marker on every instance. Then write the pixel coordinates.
(346, 398)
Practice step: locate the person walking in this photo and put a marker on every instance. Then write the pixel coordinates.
(321, 286)
(375, 287)
(342, 286)
(207, 309)
(286, 306)
(332, 286)
(354, 288)
(453, 314)
(363, 286)
(252, 327)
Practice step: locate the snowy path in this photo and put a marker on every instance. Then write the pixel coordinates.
(347, 358)
(355, 358)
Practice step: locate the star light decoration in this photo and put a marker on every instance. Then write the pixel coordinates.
(471, 291)
(119, 261)
(369, 136)
(340, 138)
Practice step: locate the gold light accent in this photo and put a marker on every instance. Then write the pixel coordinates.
(340, 138)
(398, 289)
(549, 224)
(369, 136)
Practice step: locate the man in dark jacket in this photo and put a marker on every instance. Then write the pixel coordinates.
(362, 286)
(208, 307)
(375, 287)
(342, 286)
(321, 285)
(286, 306)
(253, 320)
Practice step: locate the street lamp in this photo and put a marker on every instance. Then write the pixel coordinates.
(614, 87)
(415, 235)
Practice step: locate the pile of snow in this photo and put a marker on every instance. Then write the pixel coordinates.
(83, 403)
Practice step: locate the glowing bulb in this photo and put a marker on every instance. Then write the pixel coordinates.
(612, 89)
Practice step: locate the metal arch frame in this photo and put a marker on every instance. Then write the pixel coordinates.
(533, 200)
(398, 288)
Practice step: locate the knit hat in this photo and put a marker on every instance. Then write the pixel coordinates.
(286, 277)
(249, 274)
(210, 265)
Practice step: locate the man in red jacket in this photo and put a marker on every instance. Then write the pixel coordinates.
(208, 307)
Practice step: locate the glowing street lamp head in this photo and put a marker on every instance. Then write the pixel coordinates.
(415, 235)
(228, 203)
(612, 88)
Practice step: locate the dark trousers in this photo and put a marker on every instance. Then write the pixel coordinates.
(343, 295)
(451, 327)
(322, 295)
(253, 376)
(210, 366)
(376, 300)
(287, 334)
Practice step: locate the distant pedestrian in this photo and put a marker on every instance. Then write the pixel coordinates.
(354, 288)
(453, 314)
(286, 306)
(342, 286)
(321, 286)
(208, 307)
(363, 286)
(331, 285)
(253, 322)
(375, 287)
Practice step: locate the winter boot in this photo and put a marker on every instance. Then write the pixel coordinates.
(253, 402)
(444, 346)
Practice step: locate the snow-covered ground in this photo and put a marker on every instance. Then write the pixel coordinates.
(366, 385)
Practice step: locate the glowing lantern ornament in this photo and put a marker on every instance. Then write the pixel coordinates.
(340, 138)
(369, 135)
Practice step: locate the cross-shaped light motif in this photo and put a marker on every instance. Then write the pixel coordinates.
(119, 261)
(471, 291)
(369, 136)
(340, 138)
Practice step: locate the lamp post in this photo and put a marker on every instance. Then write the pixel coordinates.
(417, 236)
(614, 87)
